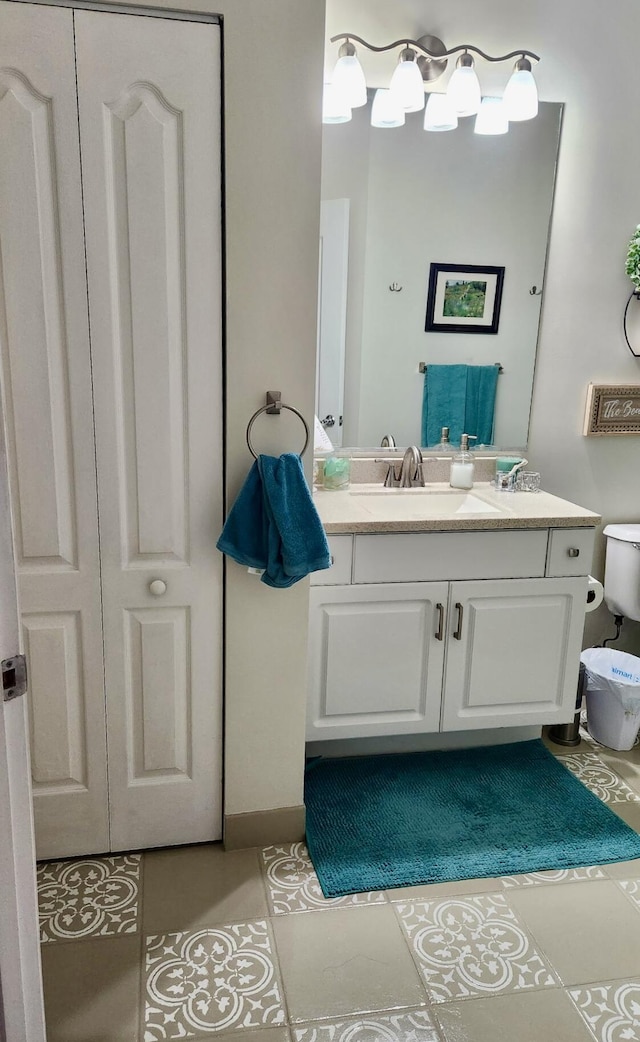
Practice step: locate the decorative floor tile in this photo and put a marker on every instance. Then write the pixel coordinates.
(417, 1026)
(599, 778)
(611, 1011)
(470, 947)
(92, 897)
(293, 884)
(632, 888)
(562, 875)
(211, 980)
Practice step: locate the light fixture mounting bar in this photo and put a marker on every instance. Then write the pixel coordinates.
(520, 53)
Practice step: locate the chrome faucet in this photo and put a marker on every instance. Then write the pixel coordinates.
(411, 471)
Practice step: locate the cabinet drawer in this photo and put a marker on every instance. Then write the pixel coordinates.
(562, 558)
(423, 557)
(341, 547)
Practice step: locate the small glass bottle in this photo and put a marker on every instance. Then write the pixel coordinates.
(461, 474)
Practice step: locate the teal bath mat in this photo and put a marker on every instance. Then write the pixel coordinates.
(375, 822)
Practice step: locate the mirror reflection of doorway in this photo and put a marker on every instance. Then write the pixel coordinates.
(332, 316)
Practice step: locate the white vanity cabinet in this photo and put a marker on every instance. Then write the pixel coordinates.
(513, 649)
(376, 659)
(453, 654)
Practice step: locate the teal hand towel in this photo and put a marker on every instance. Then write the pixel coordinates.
(444, 403)
(274, 525)
(482, 383)
(462, 398)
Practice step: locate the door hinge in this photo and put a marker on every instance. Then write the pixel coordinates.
(14, 677)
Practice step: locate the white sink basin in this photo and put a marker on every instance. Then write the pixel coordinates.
(425, 502)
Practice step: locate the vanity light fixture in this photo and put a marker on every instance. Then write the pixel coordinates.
(492, 117)
(464, 87)
(521, 93)
(348, 77)
(419, 63)
(386, 111)
(334, 106)
(407, 85)
(440, 113)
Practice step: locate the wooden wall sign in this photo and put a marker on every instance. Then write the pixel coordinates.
(612, 409)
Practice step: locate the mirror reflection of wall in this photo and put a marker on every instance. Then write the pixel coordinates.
(454, 198)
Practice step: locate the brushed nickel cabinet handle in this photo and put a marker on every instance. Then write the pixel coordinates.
(440, 630)
(458, 633)
(573, 551)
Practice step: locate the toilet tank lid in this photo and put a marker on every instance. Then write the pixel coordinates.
(626, 533)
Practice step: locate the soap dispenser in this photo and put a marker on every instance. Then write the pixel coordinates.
(461, 474)
(444, 445)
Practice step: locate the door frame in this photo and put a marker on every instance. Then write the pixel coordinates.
(21, 996)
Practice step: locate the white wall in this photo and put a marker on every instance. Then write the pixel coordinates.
(273, 73)
(452, 198)
(597, 207)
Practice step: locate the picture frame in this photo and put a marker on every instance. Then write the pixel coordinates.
(613, 410)
(464, 298)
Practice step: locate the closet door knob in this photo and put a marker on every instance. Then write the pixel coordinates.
(157, 587)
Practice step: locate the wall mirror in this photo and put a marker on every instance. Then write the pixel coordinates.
(396, 201)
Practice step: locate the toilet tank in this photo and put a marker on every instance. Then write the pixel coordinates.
(622, 570)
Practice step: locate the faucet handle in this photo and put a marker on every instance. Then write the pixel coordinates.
(391, 479)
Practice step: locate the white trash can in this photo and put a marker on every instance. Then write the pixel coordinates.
(613, 696)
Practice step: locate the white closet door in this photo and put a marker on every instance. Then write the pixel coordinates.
(149, 98)
(46, 384)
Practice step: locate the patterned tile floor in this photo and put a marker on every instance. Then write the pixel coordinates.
(194, 942)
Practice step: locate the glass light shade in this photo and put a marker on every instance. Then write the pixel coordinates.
(348, 79)
(385, 111)
(521, 96)
(492, 117)
(439, 113)
(334, 107)
(407, 86)
(464, 91)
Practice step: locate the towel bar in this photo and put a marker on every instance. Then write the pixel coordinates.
(422, 367)
(273, 407)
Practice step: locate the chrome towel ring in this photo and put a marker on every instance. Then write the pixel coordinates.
(273, 407)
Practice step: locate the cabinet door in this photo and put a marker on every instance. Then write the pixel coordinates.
(376, 657)
(46, 386)
(513, 652)
(149, 106)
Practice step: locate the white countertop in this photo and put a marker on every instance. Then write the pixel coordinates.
(439, 508)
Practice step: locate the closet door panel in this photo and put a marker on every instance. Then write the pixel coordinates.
(144, 155)
(149, 97)
(46, 386)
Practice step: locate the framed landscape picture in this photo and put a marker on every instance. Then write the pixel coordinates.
(464, 298)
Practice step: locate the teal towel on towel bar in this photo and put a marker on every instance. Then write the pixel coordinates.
(482, 383)
(462, 398)
(274, 525)
(444, 402)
